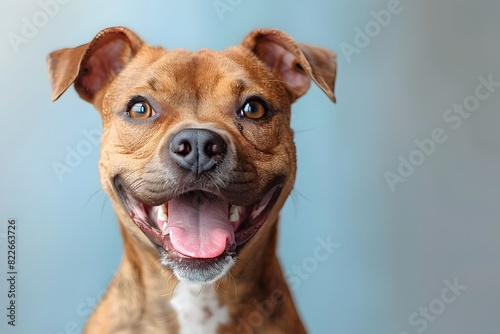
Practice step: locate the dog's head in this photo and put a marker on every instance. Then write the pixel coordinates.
(197, 150)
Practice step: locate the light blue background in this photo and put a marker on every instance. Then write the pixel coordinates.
(396, 248)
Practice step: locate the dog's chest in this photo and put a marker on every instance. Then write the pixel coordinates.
(198, 309)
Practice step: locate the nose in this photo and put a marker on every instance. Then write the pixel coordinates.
(197, 150)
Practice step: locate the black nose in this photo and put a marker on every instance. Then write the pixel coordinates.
(197, 150)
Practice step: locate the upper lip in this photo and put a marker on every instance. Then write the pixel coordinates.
(245, 220)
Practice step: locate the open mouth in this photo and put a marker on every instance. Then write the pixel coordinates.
(199, 224)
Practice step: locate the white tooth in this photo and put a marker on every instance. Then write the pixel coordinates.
(162, 216)
(234, 213)
(162, 213)
(164, 227)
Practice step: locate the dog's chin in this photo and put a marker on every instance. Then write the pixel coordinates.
(199, 234)
(199, 271)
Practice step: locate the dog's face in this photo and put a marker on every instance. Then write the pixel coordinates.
(197, 152)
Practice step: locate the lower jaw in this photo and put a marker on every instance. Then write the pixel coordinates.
(199, 271)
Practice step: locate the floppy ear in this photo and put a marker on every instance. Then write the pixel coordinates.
(295, 63)
(92, 66)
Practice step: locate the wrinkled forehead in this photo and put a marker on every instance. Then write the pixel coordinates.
(182, 72)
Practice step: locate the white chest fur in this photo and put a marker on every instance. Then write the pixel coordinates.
(198, 309)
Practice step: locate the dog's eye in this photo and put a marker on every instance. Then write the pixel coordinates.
(140, 110)
(254, 110)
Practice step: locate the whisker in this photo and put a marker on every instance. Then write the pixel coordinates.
(199, 292)
(161, 271)
(235, 286)
(297, 193)
(91, 196)
(171, 293)
(295, 203)
(301, 131)
(103, 206)
(217, 286)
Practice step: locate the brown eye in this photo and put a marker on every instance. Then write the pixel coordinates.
(254, 110)
(140, 110)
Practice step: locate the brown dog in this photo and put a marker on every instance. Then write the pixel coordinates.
(198, 158)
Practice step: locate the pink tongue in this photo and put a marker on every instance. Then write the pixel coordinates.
(199, 227)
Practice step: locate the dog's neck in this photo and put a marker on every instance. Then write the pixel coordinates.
(254, 298)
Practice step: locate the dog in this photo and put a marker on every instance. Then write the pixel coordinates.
(197, 157)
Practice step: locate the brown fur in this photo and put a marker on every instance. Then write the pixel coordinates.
(190, 89)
